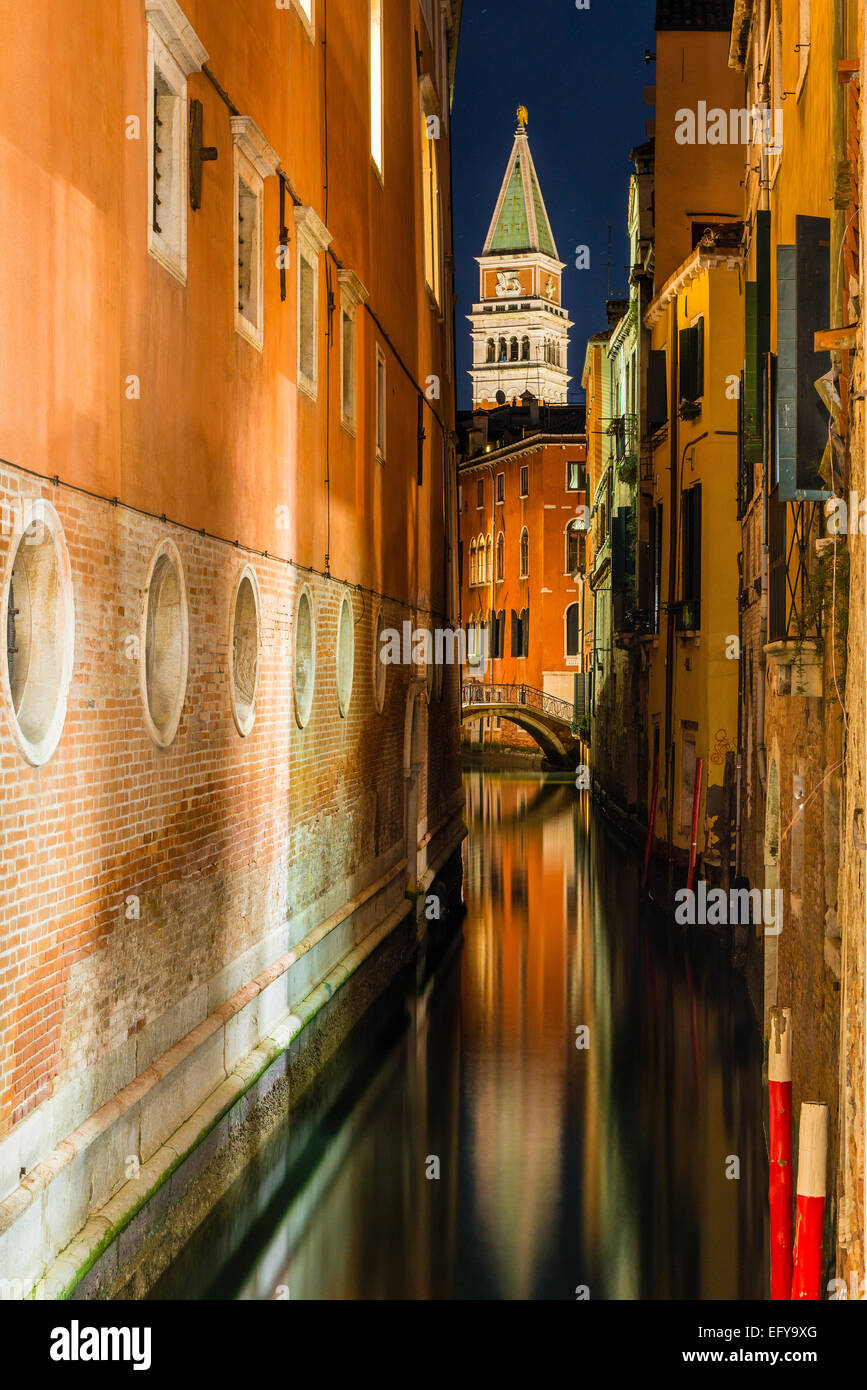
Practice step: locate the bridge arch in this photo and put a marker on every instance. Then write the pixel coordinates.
(546, 719)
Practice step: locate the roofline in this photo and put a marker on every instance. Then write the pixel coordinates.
(531, 444)
(702, 259)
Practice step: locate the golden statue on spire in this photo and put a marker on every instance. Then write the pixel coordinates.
(523, 116)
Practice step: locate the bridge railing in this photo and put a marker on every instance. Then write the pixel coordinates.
(474, 693)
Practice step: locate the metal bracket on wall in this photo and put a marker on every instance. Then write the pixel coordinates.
(199, 154)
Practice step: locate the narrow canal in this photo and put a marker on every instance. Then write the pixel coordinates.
(469, 1149)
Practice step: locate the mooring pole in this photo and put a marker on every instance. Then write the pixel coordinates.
(780, 1144)
(810, 1206)
(652, 820)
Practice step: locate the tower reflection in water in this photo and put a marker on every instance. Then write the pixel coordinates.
(560, 1167)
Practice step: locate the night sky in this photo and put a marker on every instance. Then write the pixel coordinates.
(580, 73)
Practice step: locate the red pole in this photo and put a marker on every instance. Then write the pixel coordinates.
(652, 814)
(810, 1208)
(696, 798)
(780, 1138)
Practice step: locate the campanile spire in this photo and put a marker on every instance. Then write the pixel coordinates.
(520, 329)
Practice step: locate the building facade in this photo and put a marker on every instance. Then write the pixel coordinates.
(227, 405)
(523, 507)
(748, 566)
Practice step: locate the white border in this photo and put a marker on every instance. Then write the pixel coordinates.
(164, 740)
(343, 704)
(37, 510)
(303, 718)
(244, 726)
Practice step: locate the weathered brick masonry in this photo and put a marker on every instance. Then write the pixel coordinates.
(142, 886)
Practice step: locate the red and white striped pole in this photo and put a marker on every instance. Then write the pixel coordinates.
(780, 1141)
(810, 1205)
(696, 802)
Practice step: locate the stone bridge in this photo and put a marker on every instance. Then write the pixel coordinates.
(547, 719)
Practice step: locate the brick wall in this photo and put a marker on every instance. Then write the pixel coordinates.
(222, 839)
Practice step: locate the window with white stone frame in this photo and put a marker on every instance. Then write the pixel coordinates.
(254, 160)
(313, 239)
(352, 294)
(174, 51)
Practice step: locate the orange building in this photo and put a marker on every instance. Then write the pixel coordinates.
(226, 406)
(522, 499)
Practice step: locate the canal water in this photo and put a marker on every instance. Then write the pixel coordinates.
(463, 1145)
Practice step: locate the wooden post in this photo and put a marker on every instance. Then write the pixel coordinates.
(780, 1143)
(696, 801)
(810, 1206)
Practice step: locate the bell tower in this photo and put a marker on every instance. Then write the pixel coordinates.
(520, 329)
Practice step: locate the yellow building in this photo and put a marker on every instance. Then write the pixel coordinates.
(802, 717)
(696, 350)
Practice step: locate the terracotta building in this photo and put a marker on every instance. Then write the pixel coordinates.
(226, 412)
(522, 517)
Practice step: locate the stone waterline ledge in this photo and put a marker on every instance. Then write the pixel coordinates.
(155, 1116)
(106, 1226)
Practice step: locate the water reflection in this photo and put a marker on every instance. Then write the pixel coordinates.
(603, 1166)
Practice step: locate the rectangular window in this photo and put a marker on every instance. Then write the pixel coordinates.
(690, 520)
(248, 250)
(347, 359)
(804, 278)
(376, 84)
(381, 405)
(167, 166)
(525, 481)
(308, 301)
(573, 475)
(501, 487)
(480, 495)
(691, 351)
(431, 205)
(657, 391)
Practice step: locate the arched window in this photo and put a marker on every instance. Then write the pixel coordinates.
(513, 349)
(557, 351)
(472, 562)
(491, 351)
(489, 572)
(503, 351)
(481, 577)
(525, 553)
(572, 630)
(573, 547)
(525, 349)
(501, 558)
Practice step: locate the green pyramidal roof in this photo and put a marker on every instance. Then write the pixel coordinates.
(520, 220)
